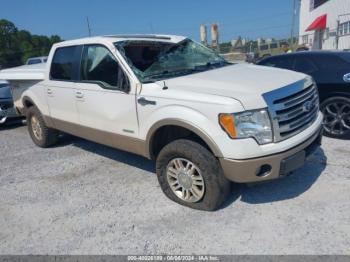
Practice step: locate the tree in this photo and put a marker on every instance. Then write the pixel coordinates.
(16, 46)
(7, 31)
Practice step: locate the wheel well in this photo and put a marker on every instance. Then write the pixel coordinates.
(333, 94)
(27, 103)
(166, 134)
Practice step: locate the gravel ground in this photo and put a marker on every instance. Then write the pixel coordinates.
(83, 198)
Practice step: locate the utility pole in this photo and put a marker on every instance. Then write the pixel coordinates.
(337, 35)
(293, 23)
(88, 25)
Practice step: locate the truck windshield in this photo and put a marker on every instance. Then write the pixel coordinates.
(152, 61)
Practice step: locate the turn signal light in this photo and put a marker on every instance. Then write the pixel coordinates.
(227, 122)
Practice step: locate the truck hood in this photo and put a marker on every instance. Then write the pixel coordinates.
(242, 82)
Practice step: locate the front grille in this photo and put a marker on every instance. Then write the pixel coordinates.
(292, 108)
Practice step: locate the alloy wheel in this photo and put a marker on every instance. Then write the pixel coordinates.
(185, 180)
(337, 117)
(36, 127)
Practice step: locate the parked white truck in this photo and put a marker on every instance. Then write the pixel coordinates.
(205, 121)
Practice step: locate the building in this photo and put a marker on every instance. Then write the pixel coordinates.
(325, 24)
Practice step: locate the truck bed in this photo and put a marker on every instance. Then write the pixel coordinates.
(21, 78)
(25, 72)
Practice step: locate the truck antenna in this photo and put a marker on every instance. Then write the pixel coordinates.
(88, 25)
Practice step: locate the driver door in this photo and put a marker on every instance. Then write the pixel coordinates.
(106, 107)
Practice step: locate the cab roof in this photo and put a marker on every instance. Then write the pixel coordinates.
(119, 38)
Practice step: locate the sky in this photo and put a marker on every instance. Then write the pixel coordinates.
(67, 18)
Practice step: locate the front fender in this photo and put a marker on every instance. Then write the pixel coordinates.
(202, 125)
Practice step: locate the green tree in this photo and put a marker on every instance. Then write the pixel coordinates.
(16, 46)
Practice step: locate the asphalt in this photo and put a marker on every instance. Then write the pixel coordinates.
(83, 198)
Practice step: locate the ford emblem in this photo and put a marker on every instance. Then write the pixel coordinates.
(307, 106)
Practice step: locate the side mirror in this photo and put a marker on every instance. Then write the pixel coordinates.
(346, 78)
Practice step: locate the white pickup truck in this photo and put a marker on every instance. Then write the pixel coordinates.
(205, 121)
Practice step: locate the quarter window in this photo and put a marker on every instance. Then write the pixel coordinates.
(99, 65)
(64, 63)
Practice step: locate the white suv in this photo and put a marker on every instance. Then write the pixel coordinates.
(205, 121)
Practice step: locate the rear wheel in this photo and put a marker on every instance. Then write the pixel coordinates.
(190, 175)
(336, 111)
(41, 135)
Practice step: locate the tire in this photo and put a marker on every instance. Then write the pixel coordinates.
(336, 111)
(205, 168)
(41, 135)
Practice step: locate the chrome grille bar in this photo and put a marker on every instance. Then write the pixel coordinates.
(292, 108)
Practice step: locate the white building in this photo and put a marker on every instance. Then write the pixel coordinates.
(325, 24)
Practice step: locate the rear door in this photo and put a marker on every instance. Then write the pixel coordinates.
(60, 89)
(332, 77)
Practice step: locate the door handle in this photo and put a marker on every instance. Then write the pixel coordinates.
(143, 101)
(49, 91)
(346, 78)
(79, 94)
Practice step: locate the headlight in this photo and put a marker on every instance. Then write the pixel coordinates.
(255, 124)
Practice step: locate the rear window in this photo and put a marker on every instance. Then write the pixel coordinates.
(64, 63)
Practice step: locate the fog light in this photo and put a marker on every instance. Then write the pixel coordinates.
(263, 171)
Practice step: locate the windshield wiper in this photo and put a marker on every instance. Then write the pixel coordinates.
(171, 73)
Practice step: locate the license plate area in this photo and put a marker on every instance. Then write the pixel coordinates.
(292, 163)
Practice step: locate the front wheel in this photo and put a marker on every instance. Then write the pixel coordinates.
(190, 175)
(336, 111)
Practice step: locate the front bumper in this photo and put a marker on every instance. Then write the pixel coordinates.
(273, 166)
(7, 110)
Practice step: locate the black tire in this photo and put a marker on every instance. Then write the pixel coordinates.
(48, 136)
(217, 187)
(336, 111)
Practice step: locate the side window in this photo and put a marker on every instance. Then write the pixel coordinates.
(304, 65)
(285, 63)
(268, 62)
(64, 63)
(99, 65)
(331, 63)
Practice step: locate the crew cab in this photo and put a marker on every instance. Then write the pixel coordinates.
(205, 122)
